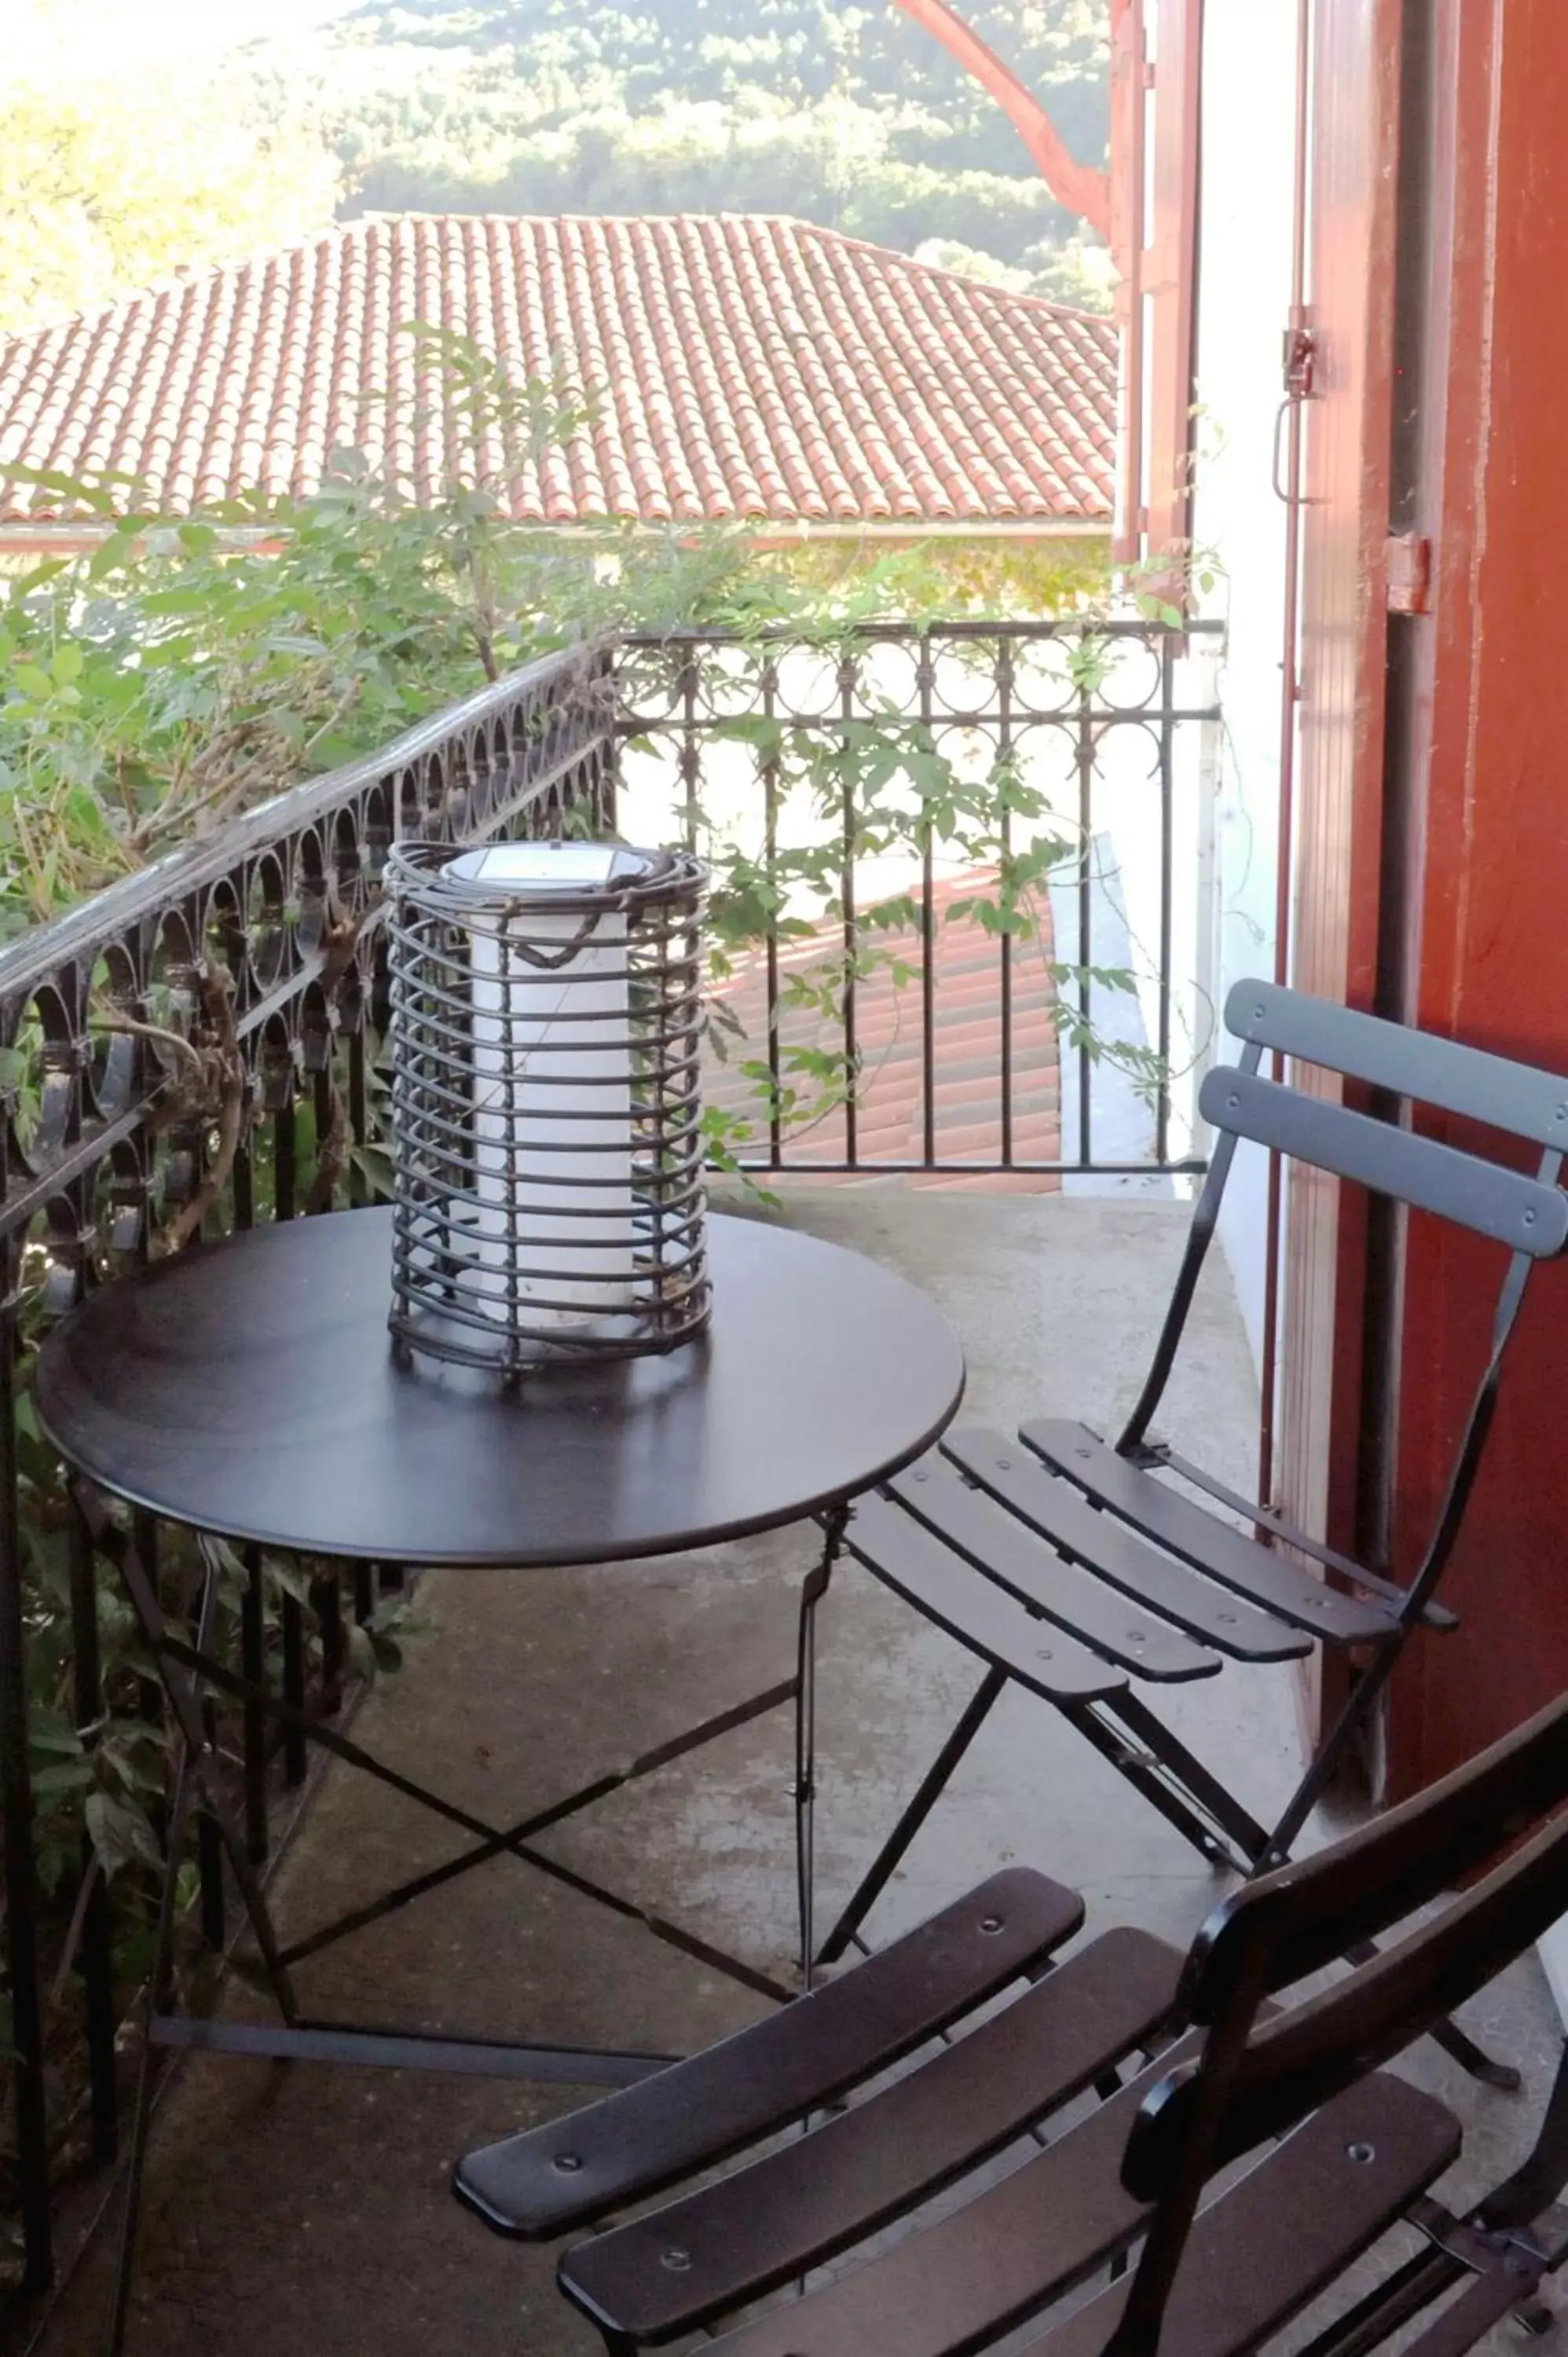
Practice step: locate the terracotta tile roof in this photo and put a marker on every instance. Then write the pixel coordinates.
(966, 1096)
(745, 366)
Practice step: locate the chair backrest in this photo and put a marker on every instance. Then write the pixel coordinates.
(1520, 1099)
(1261, 2072)
(1528, 1214)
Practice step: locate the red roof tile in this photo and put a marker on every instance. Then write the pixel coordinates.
(744, 367)
(966, 1096)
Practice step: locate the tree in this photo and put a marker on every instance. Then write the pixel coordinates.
(107, 187)
(845, 113)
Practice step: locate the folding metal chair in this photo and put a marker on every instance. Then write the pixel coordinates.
(1060, 1534)
(1358, 2149)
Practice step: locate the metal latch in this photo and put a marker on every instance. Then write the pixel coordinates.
(1299, 358)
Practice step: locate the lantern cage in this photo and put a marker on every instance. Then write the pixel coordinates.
(546, 1102)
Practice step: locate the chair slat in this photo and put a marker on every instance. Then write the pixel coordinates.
(1063, 1514)
(995, 2263)
(1023, 1563)
(1503, 1204)
(818, 2194)
(947, 1590)
(1263, 2251)
(1520, 1098)
(1261, 1574)
(644, 2137)
(989, 2265)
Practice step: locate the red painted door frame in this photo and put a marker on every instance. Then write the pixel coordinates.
(1432, 873)
(1479, 939)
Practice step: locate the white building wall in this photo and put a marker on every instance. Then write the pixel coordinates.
(1248, 98)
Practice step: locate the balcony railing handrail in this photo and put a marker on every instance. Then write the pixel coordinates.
(97, 920)
(792, 633)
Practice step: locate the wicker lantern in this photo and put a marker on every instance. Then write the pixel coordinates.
(546, 1104)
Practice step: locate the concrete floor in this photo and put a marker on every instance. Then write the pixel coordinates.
(306, 2209)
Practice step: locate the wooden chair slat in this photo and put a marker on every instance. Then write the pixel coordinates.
(698, 2112)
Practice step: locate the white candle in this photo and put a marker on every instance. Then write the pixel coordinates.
(539, 1034)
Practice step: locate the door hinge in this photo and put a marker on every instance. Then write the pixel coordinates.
(1407, 559)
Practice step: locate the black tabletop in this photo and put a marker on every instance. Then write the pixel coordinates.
(249, 1387)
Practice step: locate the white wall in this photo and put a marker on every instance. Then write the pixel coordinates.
(1248, 97)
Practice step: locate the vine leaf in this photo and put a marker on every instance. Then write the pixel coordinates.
(120, 1834)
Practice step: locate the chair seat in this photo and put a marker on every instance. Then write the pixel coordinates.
(1263, 1575)
(816, 2194)
(1124, 1629)
(1045, 1501)
(970, 1605)
(1262, 2250)
(1045, 1570)
(1258, 2253)
(699, 2111)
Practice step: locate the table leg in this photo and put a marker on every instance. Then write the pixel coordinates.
(494, 1839)
(191, 1675)
(513, 1837)
(812, 1593)
(187, 1669)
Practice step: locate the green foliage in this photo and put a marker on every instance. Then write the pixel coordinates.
(846, 116)
(179, 673)
(797, 51)
(182, 671)
(843, 114)
(108, 185)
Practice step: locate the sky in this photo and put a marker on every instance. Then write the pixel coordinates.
(41, 32)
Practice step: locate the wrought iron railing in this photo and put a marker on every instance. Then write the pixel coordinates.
(190, 1051)
(187, 1054)
(1062, 1036)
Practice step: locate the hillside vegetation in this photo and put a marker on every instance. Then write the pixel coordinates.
(840, 112)
(843, 112)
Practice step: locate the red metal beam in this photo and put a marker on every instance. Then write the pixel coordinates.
(1079, 186)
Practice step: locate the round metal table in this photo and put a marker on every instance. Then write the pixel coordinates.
(250, 1388)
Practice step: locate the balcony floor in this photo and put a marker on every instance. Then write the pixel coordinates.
(307, 2209)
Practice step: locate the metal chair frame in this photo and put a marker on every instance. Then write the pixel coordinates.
(994, 1542)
